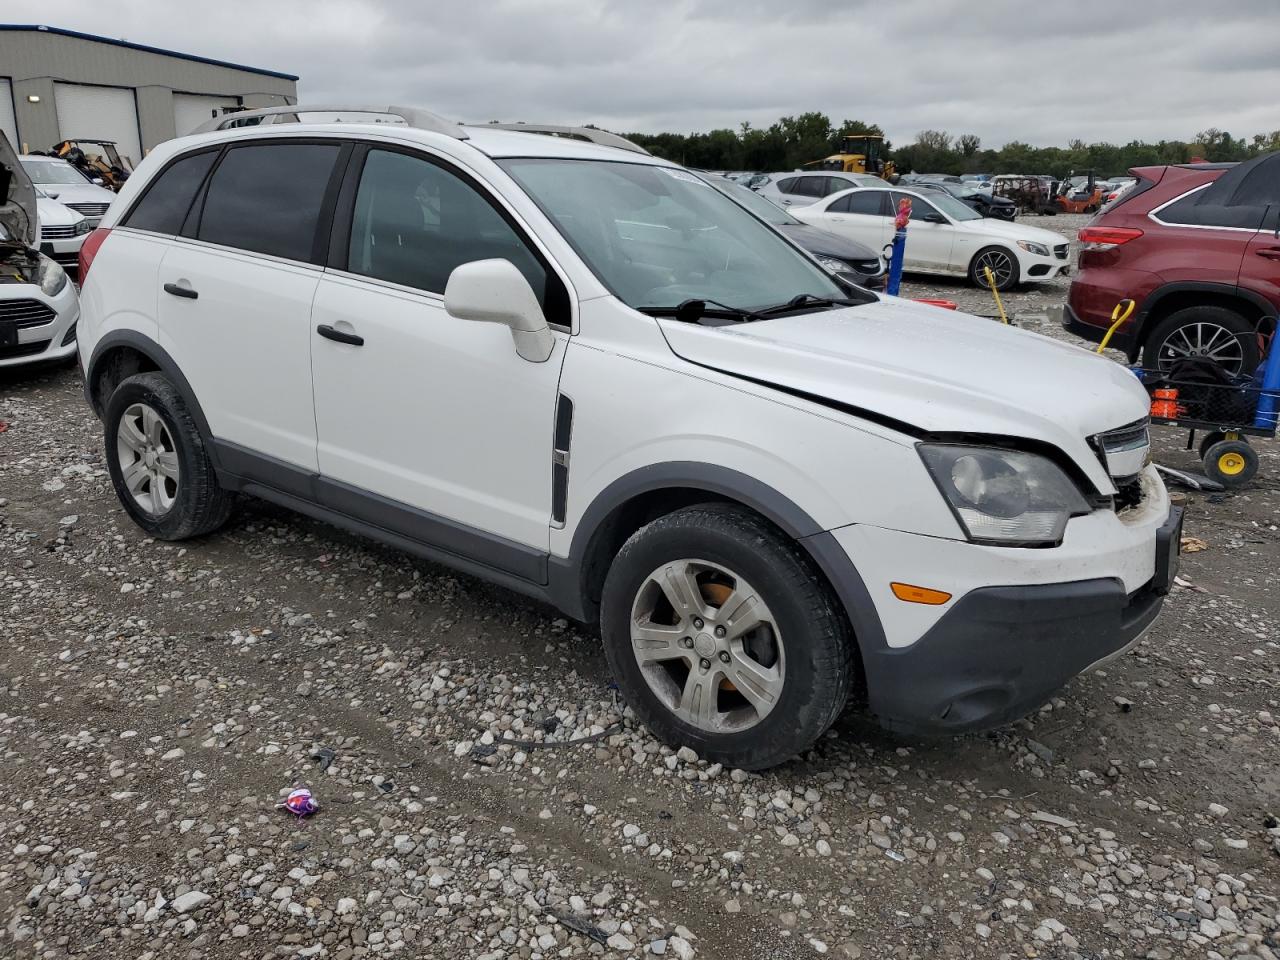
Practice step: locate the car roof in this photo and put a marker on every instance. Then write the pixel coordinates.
(491, 141)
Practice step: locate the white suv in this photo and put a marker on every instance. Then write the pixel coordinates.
(581, 372)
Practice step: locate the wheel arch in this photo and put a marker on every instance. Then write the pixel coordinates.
(1172, 297)
(122, 353)
(637, 498)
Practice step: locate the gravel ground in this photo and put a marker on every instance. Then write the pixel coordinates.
(157, 700)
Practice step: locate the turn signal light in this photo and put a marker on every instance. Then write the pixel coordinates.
(912, 594)
(1106, 238)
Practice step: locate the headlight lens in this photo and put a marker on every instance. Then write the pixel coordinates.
(832, 265)
(83, 226)
(52, 277)
(1039, 249)
(1004, 497)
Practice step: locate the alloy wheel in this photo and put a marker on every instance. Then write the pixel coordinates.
(1003, 268)
(708, 646)
(148, 459)
(1209, 340)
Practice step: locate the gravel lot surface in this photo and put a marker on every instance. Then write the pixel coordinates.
(157, 700)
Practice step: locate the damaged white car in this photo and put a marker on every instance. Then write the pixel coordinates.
(38, 303)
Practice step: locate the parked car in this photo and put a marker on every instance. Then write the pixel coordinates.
(38, 304)
(945, 236)
(578, 371)
(63, 182)
(839, 255)
(1197, 248)
(62, 231)
(797, 189)
(981, 201)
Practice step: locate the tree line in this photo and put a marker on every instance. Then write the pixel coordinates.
(792, 142)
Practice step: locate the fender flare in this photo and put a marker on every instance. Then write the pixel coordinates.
(567, 575)
(165, 363)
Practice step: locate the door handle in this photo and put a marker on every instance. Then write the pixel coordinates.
(180, 291)
(1271, 253)
(329, 333)
(838, 219)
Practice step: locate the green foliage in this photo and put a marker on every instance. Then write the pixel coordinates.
(792, 142)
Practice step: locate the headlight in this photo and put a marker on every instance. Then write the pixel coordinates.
(83, 226)
(52, 277)
(1004, 497)
(1039, 249)
(832, 265)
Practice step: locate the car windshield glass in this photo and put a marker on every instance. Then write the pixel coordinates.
(659, 236)
(953, 208)
(43, 172)
(766, 210)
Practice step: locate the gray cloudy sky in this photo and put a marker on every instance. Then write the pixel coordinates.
(1043, 72)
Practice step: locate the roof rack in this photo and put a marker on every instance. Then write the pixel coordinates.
(601, 137)
(413, 116)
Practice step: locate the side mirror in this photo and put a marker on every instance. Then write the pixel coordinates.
(98, 181)
(934, 218)
(494, 291)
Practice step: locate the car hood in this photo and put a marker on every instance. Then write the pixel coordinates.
(78, 192)
(1013, 231)
(823, 243)
(18, 212)
(51, 213)
(935, 371)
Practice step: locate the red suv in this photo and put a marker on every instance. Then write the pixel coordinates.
(1197, 247)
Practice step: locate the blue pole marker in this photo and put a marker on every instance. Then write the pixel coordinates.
(1269, 400)
(900, 221)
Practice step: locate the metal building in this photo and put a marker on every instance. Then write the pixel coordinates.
(60, 84)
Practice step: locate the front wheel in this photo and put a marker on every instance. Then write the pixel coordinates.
(1002, 264)
(724, 638)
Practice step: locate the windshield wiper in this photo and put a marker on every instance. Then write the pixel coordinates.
(800, 301)
(694, 309)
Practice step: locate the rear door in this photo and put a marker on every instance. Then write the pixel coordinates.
(235, 296)
(862, 215)
(1260, 268)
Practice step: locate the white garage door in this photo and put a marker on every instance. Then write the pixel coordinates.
(100, 113)
(192, 109)
(7, 123)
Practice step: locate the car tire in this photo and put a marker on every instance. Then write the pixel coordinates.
(1006, 279)
(1176, 335)
(798, 664)
(158, 462)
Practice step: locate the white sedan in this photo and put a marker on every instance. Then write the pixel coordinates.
(945, 236)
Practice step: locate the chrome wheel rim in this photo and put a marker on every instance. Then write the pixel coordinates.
(1001, 264)
(148, 459)
(1210, 340)
(708, 646)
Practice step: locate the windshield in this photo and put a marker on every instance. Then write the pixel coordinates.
(952, 207)
(658, 236)
(766, 210)
(42, 172)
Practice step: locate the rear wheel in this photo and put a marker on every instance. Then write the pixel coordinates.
(1002, 264)
(723, 637)
(158, 463)
(1216, 333)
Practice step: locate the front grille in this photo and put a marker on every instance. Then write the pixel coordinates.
(68, 261)
(1124, 453)
(23, 350)
(89, 209)
(1061, 250)
(58, 232)
(27, 313)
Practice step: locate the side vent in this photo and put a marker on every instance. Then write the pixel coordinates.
(560, 460)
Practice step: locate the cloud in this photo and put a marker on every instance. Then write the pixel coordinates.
(1003, 69)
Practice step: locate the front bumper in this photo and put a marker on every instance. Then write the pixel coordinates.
(55, 340)
(1022, 622)
(66, 251)
(1038, 269)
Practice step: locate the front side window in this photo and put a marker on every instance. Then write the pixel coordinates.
(164, 206)
(266, 198)
(658, 236)
(414, 222)
(943, 202)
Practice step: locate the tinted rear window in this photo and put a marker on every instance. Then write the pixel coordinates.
(165, 204)
(1197, 209)
(266, 198)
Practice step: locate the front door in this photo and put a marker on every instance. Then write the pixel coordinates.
(929, 244)
(437, 418)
